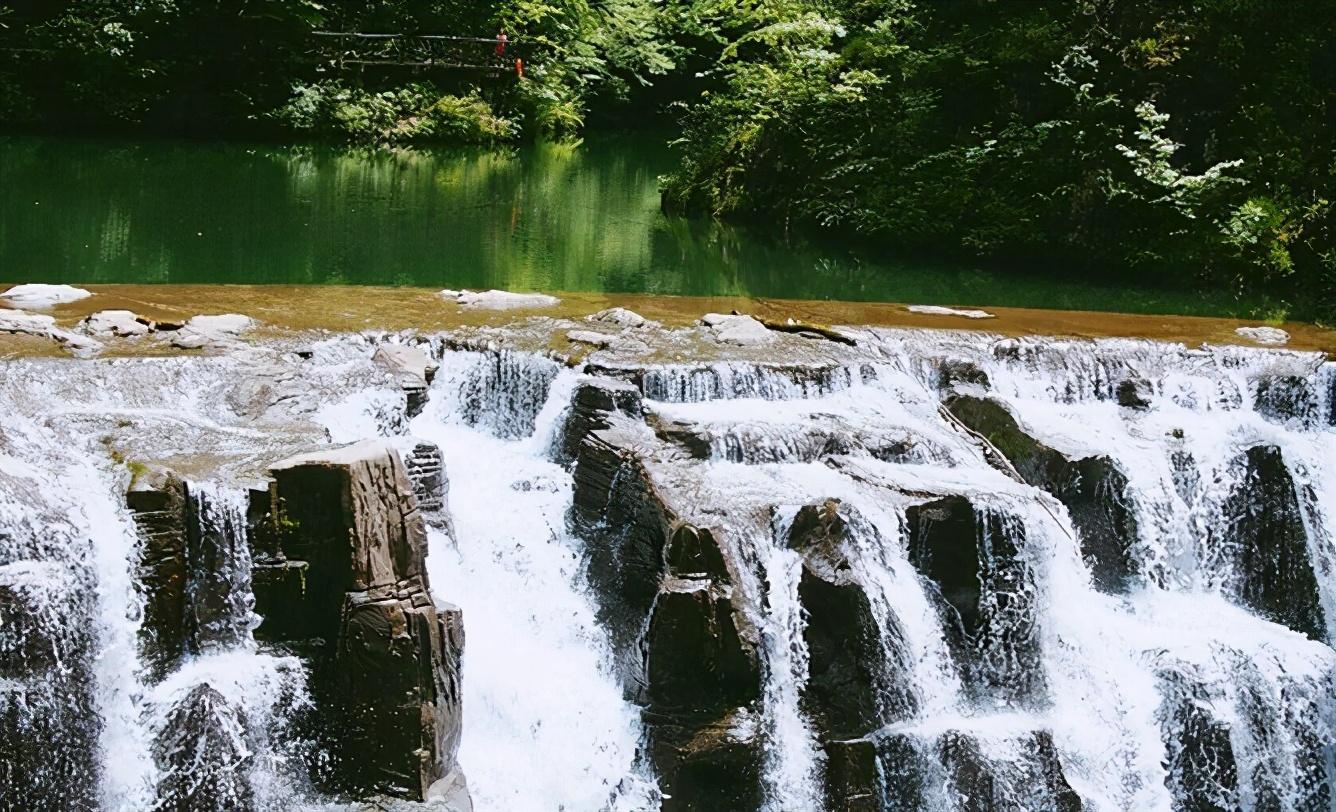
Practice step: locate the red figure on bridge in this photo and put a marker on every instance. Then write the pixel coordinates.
(501, 41)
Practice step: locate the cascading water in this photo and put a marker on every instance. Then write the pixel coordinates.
(936, 571)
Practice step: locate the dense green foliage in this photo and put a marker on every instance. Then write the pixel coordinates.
(1191, 138)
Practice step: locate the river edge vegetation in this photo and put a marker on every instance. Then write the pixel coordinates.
(1181, 141)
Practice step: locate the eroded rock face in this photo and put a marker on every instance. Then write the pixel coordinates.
(1092, 488)
(1269, 545)
(626, 523)
(202, 757)
(989, 613)
(346, 583)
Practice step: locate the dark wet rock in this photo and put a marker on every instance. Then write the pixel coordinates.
(592, 404)
(693, 552)
(395, 686)
(280, 596)
(1134, 393)
(907, 771)
(693, 439)
(987, 594)
(852, 780)
(49, 724)
(708, 767)
(1035, 781)
(385, 658)
(957, 371)
(1092, 488)
(191, 570)
(1269, 544)
(855, 684)
(626, 524)
(696, 662)
(1200, 769)
(160, 507)
(426, 470)
(1283, 398)
(202, 757)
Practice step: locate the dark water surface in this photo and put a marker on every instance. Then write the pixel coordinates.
(546, 217)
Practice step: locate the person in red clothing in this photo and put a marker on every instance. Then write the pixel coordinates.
(501, 41)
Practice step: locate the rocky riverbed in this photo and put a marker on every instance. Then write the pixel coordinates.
(627, 554)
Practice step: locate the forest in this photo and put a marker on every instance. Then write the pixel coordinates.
(1184, 140)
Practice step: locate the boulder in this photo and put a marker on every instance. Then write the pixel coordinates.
(1092, 488)
(42, 296)
(619, 317)
(953, 371)
(1134, 393)
(986, 596)
(202, 756)
(1266, 536)
(498, 299)
(743, 331)
(1269, 336)
(115, 323)
(412, 369)
(43, 326)
(204, 331)
(591, 338)
(1283, 398)
(938, 310)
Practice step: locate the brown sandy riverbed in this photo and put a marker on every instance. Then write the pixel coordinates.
(351, 308)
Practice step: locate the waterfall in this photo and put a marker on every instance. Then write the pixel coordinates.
(938, 571)
(545, 722)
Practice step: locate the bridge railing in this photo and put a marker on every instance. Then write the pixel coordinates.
(487, 54)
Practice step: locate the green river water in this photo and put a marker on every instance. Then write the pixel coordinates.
(546, 217)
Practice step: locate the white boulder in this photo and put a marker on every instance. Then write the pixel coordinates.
(618, 316)
(744, 331)
(42, 296)
(1271, 336)
(936, 310)
(498, 299)
(115, 323)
